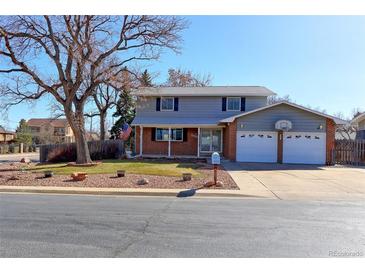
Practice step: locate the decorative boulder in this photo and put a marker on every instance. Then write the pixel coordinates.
(209, 184)
(48, 173)
(142, 181)
(186, 176)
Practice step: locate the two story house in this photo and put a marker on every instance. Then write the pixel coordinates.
(48, 130)
(235, 121)
(359, 123)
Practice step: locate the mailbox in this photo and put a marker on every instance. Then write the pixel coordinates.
(216, 159)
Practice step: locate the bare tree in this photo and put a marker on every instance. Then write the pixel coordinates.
(68, 57)
(105, 97)
(186, 78)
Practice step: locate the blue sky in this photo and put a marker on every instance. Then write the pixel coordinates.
(318, 60)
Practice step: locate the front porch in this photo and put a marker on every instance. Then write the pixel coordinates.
(178, 142)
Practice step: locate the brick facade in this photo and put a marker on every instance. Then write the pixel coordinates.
(229, 141)
(187, 148)
(190, 147)
(330, 140)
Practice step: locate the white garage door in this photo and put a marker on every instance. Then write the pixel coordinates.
(256, 146)
(304, 148)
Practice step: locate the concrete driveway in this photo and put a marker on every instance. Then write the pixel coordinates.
(299, 182)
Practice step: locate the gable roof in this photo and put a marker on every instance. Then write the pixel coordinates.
(335, 119)
(204, 91)
(37, 122)
(3, 130)
(358, 118)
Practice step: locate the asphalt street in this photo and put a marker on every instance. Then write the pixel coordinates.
(34, 225)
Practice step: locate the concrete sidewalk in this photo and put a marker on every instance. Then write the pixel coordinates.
(133, 191)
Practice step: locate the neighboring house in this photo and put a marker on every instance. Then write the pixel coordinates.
(50, 130)
(234, 121)
(6, 136)
(92, 136)
(359, 123)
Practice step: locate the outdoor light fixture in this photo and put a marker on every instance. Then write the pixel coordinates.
(320, 127)
(242, 125)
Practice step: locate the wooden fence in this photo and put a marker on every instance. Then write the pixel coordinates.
(349, 152)
(108, 149)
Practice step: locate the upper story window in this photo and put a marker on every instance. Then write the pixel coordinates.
(233, 103)
(59, 130)
(167, 103)
(35, 129)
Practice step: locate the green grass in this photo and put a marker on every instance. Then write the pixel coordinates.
(162, 168)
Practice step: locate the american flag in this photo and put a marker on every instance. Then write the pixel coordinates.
(124, 132)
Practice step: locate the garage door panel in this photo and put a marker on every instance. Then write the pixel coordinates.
(304, 148)
(256, 146)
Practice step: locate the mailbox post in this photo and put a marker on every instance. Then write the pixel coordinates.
(216, 160)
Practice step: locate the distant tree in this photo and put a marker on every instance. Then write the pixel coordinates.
(125, 106)
(276, 99)
(146, 79)
(186, 78)
(23, 133)
(125, 112)
(105, 98)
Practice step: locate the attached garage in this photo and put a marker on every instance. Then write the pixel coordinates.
(257, 146)
(309, 138)
(304, 148)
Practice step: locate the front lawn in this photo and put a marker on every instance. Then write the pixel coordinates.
(148, 167)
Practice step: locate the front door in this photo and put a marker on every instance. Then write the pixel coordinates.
(211, 140)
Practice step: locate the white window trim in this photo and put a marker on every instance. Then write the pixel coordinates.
(239, 106)
(182, 135)
(173, 104)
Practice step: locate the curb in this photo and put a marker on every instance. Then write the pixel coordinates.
(180, 194)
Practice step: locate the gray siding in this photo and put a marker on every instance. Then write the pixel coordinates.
(362, 125)
(195, 107)
(265, 120)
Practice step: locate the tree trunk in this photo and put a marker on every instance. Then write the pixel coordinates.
(77, 123)
(102, 125)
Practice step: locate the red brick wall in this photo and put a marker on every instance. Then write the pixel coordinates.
(229, 141)
(161, 147)
(190, 147)
(330, 139)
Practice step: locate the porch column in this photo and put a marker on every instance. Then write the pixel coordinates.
(169, 153)
(140, 140)
(198, 141)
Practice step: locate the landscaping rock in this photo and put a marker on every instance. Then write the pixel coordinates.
(186, 176)
(142, 181)
(48, 173)
(25, 160)
(209, 184)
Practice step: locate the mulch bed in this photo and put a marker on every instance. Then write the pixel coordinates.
(12, 175)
